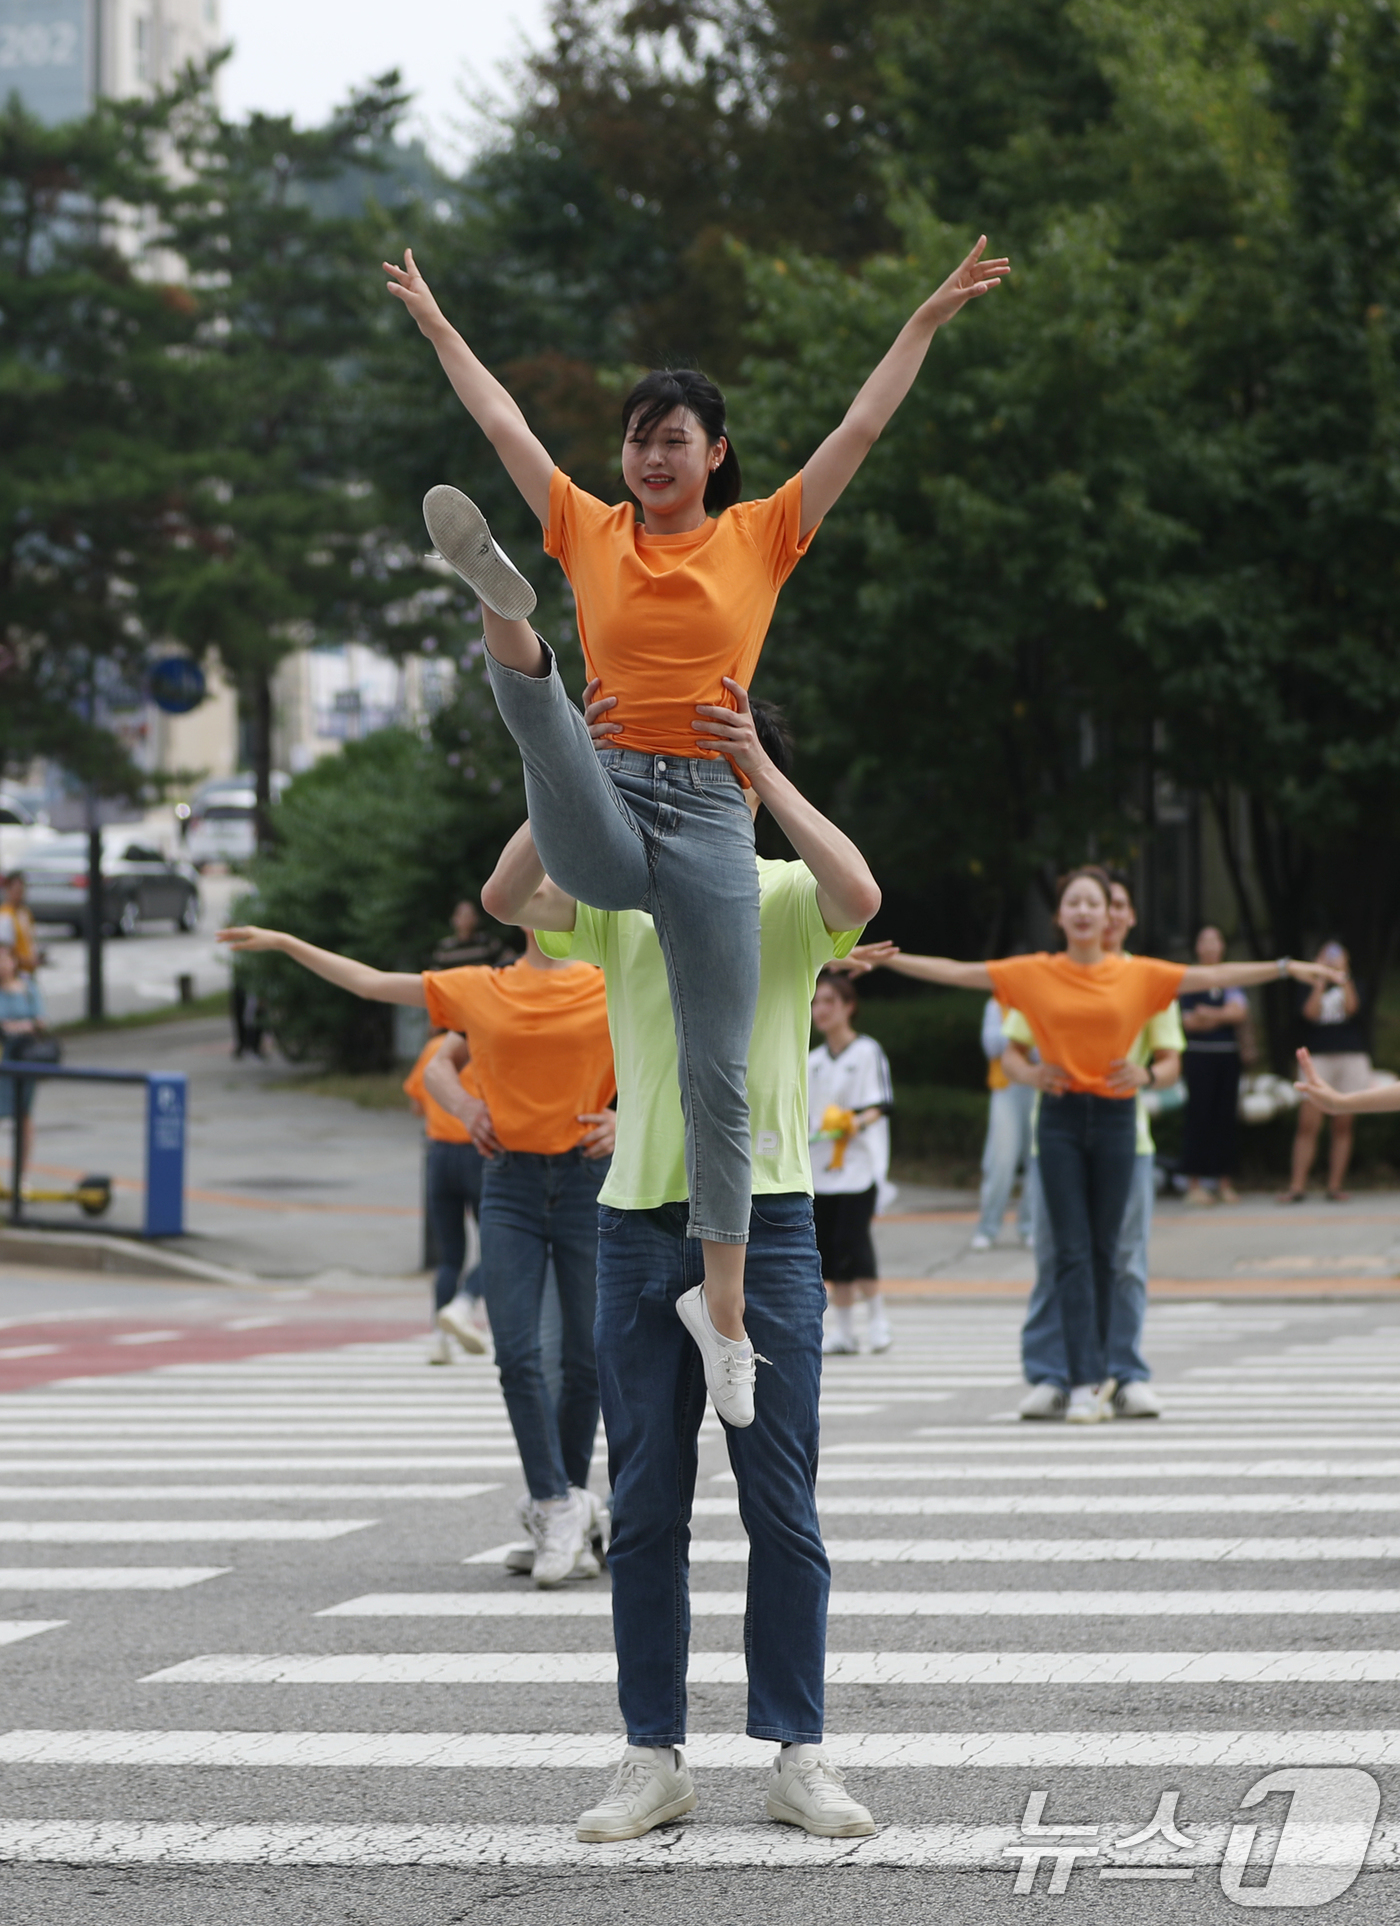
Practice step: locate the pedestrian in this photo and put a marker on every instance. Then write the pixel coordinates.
(538, 1036)
(849, 1098)
(21, 1020)
(468, 943)
(1152, 1062)
(17, 925)
(451, 1196)
(1006, 1153)
(1085, 1006)
(1332, 1033)
(651, 1374)
(672, 616)
(1214, 1022)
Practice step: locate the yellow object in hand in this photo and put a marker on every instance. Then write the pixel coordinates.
(838, 1126)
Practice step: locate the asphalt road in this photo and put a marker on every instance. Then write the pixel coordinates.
(252, 1678)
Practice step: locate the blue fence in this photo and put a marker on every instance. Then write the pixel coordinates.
(165, 1140)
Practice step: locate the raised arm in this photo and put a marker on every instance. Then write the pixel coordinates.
(518, 891)
(941, 969)
(494, 410)
(376, 986)
(1243, 976)
(847, 894)
(827, 474)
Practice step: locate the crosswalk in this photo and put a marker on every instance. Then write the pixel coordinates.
(1189, 1605)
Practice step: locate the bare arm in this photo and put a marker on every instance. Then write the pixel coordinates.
(1242, 976)
(942, 969)
(1126, 1079)
(442, 1079)
(1384, 1096)
(1046, 1077)
(847, 894)
(360, 979)
(494, 410)
(518, 891)
(828, 473)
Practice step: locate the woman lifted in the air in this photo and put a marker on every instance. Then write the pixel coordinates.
(672, 614)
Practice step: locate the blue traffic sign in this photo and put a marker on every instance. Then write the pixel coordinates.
(176, 684)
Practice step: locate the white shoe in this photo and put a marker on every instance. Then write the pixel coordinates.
(981, 1242)
(835, 1344)
(730, 1364)
(458, 1325)
(561, 1550)
(1044, 1401)
(1090, 1404)
(459, 530)
(1136, 1399)
(804, 1790)
(880, 1336)
(644, 1793)
(520, 1559)
(440, 1351)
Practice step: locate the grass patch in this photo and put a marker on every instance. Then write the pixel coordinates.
(216, 1004)
(371, 1090)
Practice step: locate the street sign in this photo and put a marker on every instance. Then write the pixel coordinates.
(176, 684)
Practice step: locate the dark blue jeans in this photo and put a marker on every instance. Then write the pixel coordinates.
(653, 1393)
(534, 1207)
(1088, 1148)
(452, 1188)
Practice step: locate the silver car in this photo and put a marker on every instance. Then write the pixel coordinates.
(139, 885)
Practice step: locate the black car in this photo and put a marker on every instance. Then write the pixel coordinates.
(138, 886)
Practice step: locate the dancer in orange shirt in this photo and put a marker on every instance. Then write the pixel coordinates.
(672, 613)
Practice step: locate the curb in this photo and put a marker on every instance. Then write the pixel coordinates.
(89, 1251)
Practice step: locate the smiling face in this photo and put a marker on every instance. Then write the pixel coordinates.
(1083, 912)
(667, 464)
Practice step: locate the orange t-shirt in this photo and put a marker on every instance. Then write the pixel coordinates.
(440, 1124)
(663, 617)
(540, 1046)
(1084, 1017)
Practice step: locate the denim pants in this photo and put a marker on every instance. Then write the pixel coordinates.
(1007, 1150)
(452, 1188)
(1043, 1357)
(533, 1207)
(671, 835)
(1088, 1147)
(653, 1392)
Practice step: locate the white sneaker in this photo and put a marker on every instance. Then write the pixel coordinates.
(457, 1324)
(1090, 1404)
(599, 1524)
(459, 530)
(880, 1336)
(1136, 1399)
(440, 1351)
(835, 1344)
(981, 1242)
(648, 1789)
(805, 1790)
(520, 1559)
(561, 1550)
(1044, 1401)
(730, 1363)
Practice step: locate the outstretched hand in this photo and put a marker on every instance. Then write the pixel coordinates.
(408, 284)
(247, 936)
(1311, 1086)
(970, 278)
(1317, 973)
(863, 958)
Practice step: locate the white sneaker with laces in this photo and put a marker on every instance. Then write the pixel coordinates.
(1136, 1399)
(837, 1345)
(561, 1550)
(1090, 1404)
(981, 1242)
(599, 1524)
(459, 531)
(454, 1320)
(520, 1559)
(650, 1787)
(730, 1363)
(1044, 1401)
(805, 1790)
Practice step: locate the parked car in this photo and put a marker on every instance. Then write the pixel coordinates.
(21, 831)
(139, 885)
(221, 822)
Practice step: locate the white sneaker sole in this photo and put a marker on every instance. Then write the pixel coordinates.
(793, 1816)
(460, 533)
(605, 1835)
(466, 1335)
(688, 1310)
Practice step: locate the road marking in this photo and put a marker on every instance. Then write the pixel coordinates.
(175, 1531)
(31, 1350)
(222, 1494)
(1002, 1504)
(707, 1752)
(308, 1458)
(950, 1604)
(152, 1337)
(12, 1630)
(47, 1433)
(1040, 1472)
(842, 1668)
(105, 1578)
(1066, 1551)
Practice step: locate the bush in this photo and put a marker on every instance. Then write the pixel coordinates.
(930, 1120)
(929, 1038)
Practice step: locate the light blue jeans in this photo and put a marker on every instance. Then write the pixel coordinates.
(671, 835)
(1007, 1150)
(1043, 1356)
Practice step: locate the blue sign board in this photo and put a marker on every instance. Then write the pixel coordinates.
(165, 1155)
(176, 683)
(46, 56)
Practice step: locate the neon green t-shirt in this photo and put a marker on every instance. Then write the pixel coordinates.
(648, 1166)
(1161, 1032)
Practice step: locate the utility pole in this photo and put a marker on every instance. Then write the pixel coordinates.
(96, 998)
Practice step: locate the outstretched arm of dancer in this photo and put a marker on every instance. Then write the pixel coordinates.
(847, 894)
(941, 969)
(1382, 1096)
(494, 410)
(827, 474)
(442, 1079)
(1240, 976)
(518, 891)
(377, 986)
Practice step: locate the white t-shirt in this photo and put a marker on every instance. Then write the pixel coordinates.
(855, 1080)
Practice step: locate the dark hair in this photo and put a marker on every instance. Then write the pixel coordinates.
(771, 727)
(1093, 872)
(659, 394)
(838, 980)
(1122, 880)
